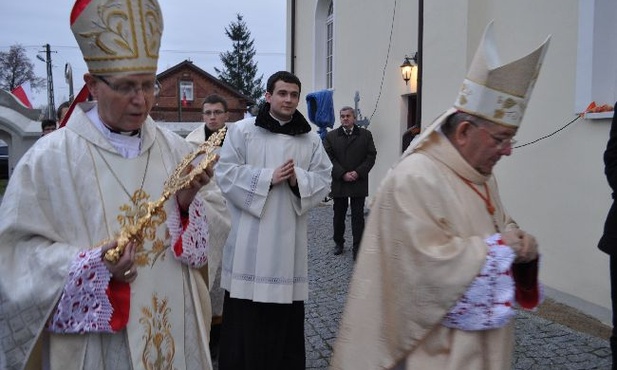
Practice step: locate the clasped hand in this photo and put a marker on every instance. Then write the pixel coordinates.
(524, 245)
(285, 172)
(350, 176)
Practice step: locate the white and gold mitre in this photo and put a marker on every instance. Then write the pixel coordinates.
(118, 36)
(499, 93)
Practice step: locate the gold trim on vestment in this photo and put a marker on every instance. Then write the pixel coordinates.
(160, 349)
(181, 178)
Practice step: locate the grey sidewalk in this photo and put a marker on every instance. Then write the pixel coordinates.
(540, 344)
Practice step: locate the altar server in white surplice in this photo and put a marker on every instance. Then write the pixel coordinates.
(63, 305)
(272, 171)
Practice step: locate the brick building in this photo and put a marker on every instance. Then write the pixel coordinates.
(183, 89)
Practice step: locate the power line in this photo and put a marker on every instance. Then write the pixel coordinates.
(218, 52)
(173, 51)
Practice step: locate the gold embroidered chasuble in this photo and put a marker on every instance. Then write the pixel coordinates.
(422, 246)
(70, 198)
(156, 326)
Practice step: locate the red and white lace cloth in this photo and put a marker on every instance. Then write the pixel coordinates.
(489, 300)
(84, 305)
(92, 302)
(189, 235)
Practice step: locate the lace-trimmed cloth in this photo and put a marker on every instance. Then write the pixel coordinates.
(87, 302)
(489, 300)
(189, 235)
(84, 305)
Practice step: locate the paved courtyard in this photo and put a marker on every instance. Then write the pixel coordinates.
(540, 344)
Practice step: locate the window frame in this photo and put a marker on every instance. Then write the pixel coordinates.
(596, 63)
(330, 45)
(186, 87)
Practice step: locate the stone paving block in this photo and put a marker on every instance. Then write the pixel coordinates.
(317, 364)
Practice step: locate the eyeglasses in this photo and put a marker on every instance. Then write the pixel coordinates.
(215, 113)
(500, 141)
(129, 89)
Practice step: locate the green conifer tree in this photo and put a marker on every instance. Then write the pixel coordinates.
(239, 68)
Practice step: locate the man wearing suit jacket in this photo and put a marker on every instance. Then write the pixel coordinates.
(352, 152)
(608, 242)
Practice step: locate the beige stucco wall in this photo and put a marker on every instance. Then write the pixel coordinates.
(555, 188)
(362, 32)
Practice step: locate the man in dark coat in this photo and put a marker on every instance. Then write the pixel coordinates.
(608, 242)
(352, 152)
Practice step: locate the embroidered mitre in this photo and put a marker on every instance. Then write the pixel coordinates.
(496, 92)
(118, 36)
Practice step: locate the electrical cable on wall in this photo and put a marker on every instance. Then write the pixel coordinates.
(383, 74)
(549, 135)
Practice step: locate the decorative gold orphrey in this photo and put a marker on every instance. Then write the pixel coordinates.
(140, 230)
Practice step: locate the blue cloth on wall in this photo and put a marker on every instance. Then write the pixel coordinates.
(320, 107)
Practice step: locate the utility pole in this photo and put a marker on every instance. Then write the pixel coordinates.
(51, 106)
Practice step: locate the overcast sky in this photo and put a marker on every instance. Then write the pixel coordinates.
(194, 29)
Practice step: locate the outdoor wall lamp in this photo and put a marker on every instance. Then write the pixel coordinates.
(409, 70)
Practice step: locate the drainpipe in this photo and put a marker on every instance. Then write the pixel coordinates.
(292, 62)
(420, 63)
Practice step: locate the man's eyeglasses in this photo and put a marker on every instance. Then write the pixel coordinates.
(500, 141)
(130, 89)
(215, 113)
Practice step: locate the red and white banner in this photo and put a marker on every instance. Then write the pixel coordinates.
(184, 102)
(23, 93)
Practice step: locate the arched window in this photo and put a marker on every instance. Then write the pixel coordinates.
(324, 44)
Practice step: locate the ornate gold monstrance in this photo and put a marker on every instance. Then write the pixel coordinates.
(145, 226)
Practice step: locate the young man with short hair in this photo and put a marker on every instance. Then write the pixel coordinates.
(214, 109)
(48, 126)
(215, 115)
(272, 170)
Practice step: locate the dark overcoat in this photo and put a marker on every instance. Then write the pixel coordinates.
(350, 153)
(608, 242)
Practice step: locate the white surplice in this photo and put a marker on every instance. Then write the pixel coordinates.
(220, 224)
(267, 261)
